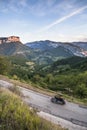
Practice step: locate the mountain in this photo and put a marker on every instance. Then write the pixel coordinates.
(48, 51)
(12, 48)
(40, 52)
(71, 65)
(82, 45)
(73, 48)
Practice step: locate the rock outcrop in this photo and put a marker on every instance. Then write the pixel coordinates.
(9, 39)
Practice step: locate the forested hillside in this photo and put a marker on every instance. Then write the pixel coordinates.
(68, 76)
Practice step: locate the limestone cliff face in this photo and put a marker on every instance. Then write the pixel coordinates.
(14, 39)
(9, 39)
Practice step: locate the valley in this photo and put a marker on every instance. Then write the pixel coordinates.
(43, 69)
(43, 52)
(43, 64)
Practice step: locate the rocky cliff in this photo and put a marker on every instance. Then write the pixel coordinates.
(9, 39)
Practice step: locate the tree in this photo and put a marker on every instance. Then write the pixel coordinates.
(49, 78)
(36, 78)
(4, 65)
(81, 91)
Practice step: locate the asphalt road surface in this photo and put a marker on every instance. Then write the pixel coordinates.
(71, 112)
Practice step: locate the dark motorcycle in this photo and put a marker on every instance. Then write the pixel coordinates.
(58, 100)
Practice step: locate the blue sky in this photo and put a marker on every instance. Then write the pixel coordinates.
(32, 20)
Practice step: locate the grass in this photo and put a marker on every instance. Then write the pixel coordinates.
(16, 115)
(15, 90)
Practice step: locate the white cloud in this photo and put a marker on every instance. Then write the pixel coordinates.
(13, 5)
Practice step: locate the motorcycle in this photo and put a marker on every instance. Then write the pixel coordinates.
(58, 100)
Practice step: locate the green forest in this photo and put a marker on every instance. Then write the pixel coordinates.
(68, 76)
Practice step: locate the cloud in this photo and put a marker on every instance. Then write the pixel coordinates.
(63, 18)
(47, 7)
(13, 6)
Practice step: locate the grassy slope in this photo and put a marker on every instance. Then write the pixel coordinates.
(15, 115)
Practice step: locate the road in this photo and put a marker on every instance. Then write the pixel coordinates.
(71, 112)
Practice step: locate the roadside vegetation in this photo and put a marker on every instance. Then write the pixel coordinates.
(16, 115)
(68, 76)
(16, 90)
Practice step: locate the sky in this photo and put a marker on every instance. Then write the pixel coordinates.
(34, 20)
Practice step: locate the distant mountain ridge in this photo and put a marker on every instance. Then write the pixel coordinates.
(49, 51)
(83, 45)
(77, 48)
(43, 52)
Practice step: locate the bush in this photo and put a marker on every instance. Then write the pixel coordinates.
(81, 91)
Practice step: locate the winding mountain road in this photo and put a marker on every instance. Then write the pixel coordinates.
(71, 112)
